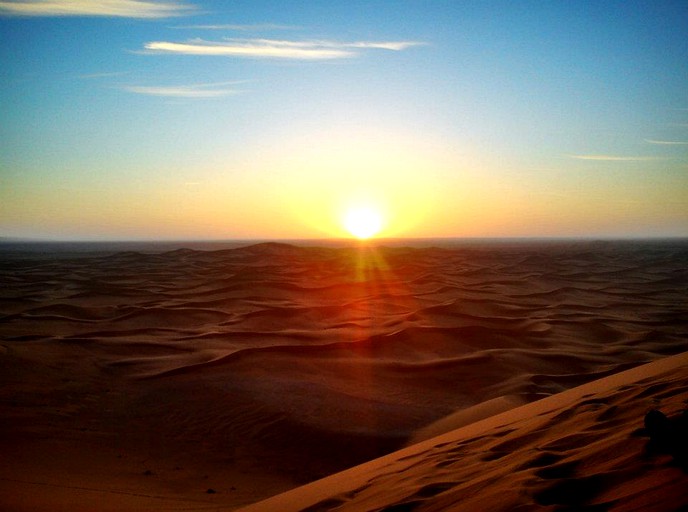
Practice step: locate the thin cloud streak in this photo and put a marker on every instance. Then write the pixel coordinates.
(392, 45)
(185, 91)
(667, 142)
(110, 8)
(276, 49)
(615, 158)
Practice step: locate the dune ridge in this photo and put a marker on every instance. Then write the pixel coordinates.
(582, 449)
(276, 364)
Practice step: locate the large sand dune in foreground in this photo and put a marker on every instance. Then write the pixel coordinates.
(582, 449)
(214, 379)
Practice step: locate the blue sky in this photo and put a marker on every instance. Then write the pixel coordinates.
(208, 119)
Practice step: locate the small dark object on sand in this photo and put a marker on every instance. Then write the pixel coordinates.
(668, 435)
(656, 423)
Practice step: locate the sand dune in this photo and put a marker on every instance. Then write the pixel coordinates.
(583, 449)
(253, 370)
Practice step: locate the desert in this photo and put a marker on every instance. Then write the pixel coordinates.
(201, 379)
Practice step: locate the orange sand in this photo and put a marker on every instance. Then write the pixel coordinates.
(581, 449)
(143, 381)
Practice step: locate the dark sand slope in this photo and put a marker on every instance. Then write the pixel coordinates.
(582, 449)
(251, 371)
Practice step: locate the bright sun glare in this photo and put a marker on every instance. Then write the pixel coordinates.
(363, 222)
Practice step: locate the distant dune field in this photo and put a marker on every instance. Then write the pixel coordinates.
(202, 378)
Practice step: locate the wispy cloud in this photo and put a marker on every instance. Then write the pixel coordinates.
(667, 142)
(390, 45)
(615, 158)
(213, 90)
(116, 8)
(241, 28)
(276, 49)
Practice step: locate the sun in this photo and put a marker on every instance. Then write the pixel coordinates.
(363, 221)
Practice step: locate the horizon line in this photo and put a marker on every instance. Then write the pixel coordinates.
(15, 239)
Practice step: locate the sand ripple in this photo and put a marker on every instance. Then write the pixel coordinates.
(360, 342)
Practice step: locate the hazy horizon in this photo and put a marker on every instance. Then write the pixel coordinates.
(348, 239)
(271, 120)
(13, 242)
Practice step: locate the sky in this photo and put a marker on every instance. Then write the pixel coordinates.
(208, 119)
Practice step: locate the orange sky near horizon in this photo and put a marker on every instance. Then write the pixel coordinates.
(307, 196)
